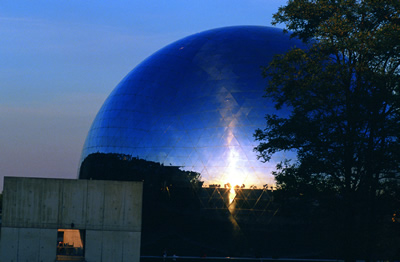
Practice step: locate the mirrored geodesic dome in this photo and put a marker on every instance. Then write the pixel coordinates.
(195, 105)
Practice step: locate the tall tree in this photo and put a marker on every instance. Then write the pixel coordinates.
(343, 95)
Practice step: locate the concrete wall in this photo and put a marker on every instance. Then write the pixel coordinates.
(34, 208)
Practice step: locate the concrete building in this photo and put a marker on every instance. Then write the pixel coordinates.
(61, 219)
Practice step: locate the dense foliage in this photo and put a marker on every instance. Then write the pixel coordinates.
(343, 95)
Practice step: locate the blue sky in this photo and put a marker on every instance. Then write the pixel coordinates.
(60, 59)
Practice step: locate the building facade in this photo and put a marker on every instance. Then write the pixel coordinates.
(54, 219)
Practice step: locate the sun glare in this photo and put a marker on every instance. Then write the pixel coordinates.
(235, 177)
(232, 195)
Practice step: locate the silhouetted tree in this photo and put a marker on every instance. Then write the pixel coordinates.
(127, 168)
(342, 112)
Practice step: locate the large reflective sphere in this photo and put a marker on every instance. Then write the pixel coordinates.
(195, 104)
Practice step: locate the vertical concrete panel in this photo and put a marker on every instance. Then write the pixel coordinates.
(9, 201)
(9, 244)
(48, 244)
(95, 205)
(24, 203)
(93, 245)
(50, 193)
(113, 204)
(29, 202)
(132, 220)
(73, 204)
(131, 247)
(112, 246)
(28, 244)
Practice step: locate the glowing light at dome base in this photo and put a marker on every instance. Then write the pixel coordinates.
(235, 178)
(232, 195)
